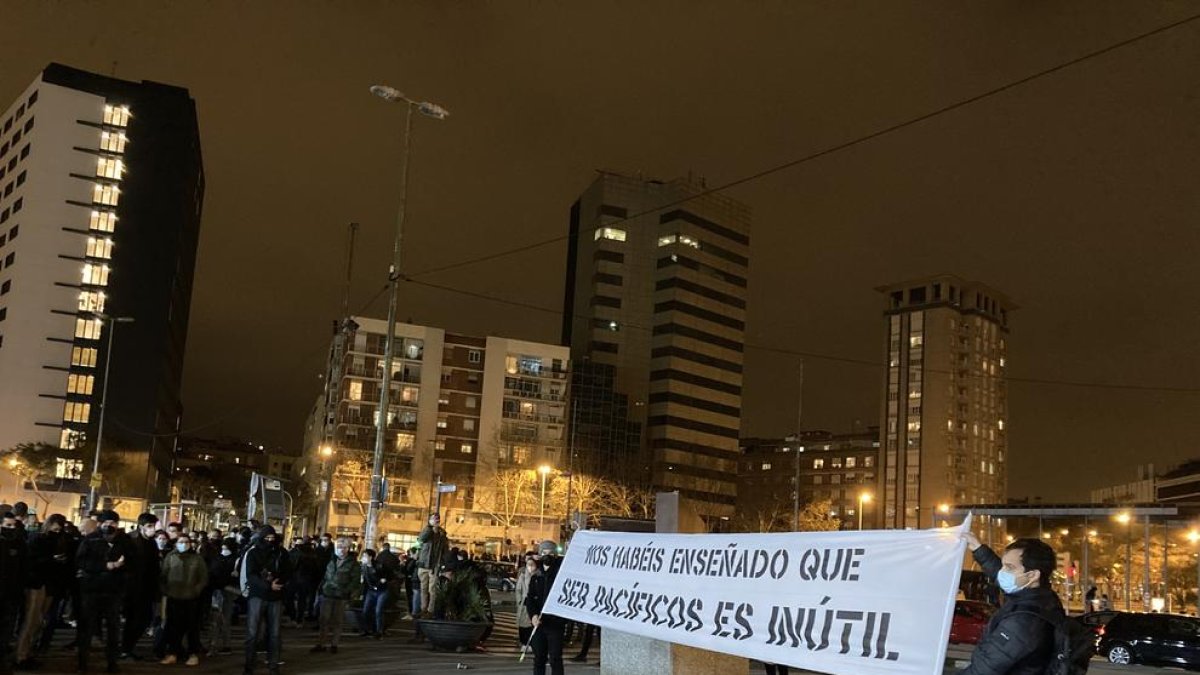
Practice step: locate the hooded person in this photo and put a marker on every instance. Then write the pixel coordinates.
(14, 566)
(223, 589)
(265, 572)
(101, 564)
(547, 639)
(142, 592)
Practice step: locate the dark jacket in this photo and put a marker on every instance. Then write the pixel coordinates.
(95, 552)
(307, 564)
(1017, 640)
(41, 549)
(386, 560)
(144, 566)
(220, 573)
(343, 578)
(14, 564)
(539, 591)
(263, 565)
(434, 545)
(376, 577)
(60, 575)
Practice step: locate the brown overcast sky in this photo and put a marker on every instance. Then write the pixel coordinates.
(1075, 194)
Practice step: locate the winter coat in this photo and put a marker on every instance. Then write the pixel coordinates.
(184, 576)
(375, 577)
(263, 565)
(221, 573)
(14, 564)
(95, 552)
(144, 566)
(521, 591)
(307, 563)
(434, 546)
(1017, 641)
(343, 578)
(538, 592)
(40, 551)
(386, 560)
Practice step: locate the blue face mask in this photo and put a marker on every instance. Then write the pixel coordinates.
(1008, 582)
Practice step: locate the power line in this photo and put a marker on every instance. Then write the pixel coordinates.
(833, 149)
(825, 357)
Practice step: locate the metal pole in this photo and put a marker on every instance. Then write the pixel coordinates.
(389, 349)
(1085, 575)
(112, 337)
(542, 514)
(860, 510)
(1128, 566)
(796, 449)
(438, 508)
(1166, 591)
(1146, 577)
(571, 462)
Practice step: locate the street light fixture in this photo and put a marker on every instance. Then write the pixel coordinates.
(112, 337)
(863, 498)
(1124, 518)
(393, 95)
(326, 452)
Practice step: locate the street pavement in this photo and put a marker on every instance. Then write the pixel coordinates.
(395, 654)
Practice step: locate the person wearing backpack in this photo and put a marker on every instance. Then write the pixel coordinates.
(1030, 634)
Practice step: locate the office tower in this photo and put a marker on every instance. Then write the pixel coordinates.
(656, 288)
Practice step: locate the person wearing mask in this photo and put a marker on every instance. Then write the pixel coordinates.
(324, 555)
(343, 580)
(524, 626)
(412, 583)
(1019, 638)
(434, 546)
(43, 571)
(265, 571)
(173, 530)
(14, 563)
(141, 593)
(184, 577)
(308, 575)
(101, 563)
(547, 639)
(60, 580)
(376, 578)
(222, 585)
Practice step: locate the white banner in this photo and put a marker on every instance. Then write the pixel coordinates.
(848, 603)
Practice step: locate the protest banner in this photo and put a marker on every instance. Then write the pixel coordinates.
(847, 603)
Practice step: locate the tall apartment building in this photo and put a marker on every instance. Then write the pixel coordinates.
(656, 288)
(945, 418)
(102, 185)
(462, 409)
(838, 468)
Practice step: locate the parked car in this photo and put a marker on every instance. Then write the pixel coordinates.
(501, 576)
(970, 620)
(1152, 639)
(1096, 621)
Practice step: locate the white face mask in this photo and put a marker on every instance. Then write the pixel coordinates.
(226, 552)
(181, 547)
(365, 560)
(162, 544)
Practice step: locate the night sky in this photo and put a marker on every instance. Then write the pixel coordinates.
(1075, 194)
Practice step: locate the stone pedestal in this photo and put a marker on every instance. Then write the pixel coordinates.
(625, 654)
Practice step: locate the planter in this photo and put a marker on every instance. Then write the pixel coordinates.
(453, 635)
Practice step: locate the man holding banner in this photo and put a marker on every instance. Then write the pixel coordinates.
(1019, 639)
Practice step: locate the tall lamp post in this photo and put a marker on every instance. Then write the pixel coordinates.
(435, 111)
(863, 498)
(1194, 536)
(326, 484)
(545, 471)
(112, 337)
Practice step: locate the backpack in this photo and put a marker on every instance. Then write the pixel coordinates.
(1074, 645)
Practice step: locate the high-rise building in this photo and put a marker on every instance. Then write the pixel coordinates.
(842, 469)
(656, 288)
(102, 185)
(945, 416)
(463, 410)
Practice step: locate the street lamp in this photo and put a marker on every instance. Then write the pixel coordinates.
(545, 471)
(434, 111)
(863, 498)
(942, 508)
(1194, 536)
(112, 337)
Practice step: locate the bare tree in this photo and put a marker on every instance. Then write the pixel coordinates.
(773, 516)
(35, 463)
(816, 516)
(508, 498)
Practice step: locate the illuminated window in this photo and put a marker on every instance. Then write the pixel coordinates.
(850, 462)
(108, 167)
(112, 142)
(467, 448)
(75, 411)
(106, 194)
(689, 241)
(355, 390)
(612, 233)
(442, 423)
(470, 401)
(80, 384)
(410, 395)
(818, 464)
(1000, 424)
(667, 240)
(474, 356)
(95, 275)
(99, 248)
(439, 445)
(103, 221)
(87, 329)
(70, 439)
(510, 364)
(916, 341)
(117, 116)
(766, 466)
(405, 442)
(468, 424)
(84, 357)
(69, 469)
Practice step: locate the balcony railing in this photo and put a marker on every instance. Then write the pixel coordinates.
(533, 417)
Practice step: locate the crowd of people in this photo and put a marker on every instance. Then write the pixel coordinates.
(166, 593)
